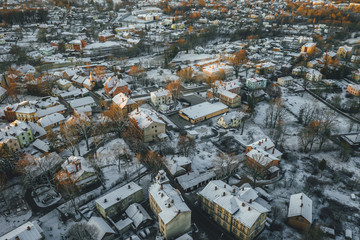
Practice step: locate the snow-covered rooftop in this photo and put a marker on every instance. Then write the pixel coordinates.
(203, 109)
(300, 205)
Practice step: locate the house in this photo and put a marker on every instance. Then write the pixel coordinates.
(114, 86)
(231, 120)
(26, 112)
(89, 83)
(353, 89)
(194, 180)
(9, 112)
(263, 155)
(80, 102)
(238, 210)
(256, 83)
(138, 215)
(161, 97)
(29, 230)
(119, 200)
(313, 75)
(64, 84)
(344, 51)
(51, 120)
(309, 48)
(178, 165)
(103, 230)
(355, 75)
(300, 211)
(3, 94)
(228, 98)
(22, 131)
(79, 171)
(9, 140)
(124, 104)
(105, 36)
(265, 68)
(203, 111)
(174, 216)
(219, 70)
(147, 124)
(285, 81)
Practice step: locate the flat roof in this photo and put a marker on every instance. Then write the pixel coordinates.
(203, 109)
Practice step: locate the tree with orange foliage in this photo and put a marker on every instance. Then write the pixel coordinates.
(186, 75)
(65, 183)
(174, 87)
(154, 162)
(137, 72)
(186, 145)
(238, 59)
(99, 74)
(117, 119)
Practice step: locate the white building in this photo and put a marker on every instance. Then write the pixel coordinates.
(161, 96)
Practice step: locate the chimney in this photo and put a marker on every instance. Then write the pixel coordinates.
(301, 205)
(28, 228)
(169, 205)
(224, 185)
(105, 200)
(301, 197)
(215, 188)
(129, 186)
(172, 200)
(250, 201)
(265, 139)
(265, 148)
(137, 108)
(233, 190)
(76, 168)
(223, 194)
(117, 199)
(273, 151)
(243, 189)
(259, 143)
(249, 208)
(161, 187)
(162, 194)
(243, 204)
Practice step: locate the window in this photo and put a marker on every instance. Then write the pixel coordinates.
(234, 230)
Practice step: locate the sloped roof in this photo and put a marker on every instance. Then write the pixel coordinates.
(300, 205)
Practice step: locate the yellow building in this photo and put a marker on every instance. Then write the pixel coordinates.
(300, 211)
(26, 113)
(353, 89)
(203, 111)
(147, 124)
(10, 141)
(309, 48)
(235, 210)
(344, 51)
(119, 200)
(173, 214)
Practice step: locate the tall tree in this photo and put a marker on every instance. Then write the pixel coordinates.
(237, 60)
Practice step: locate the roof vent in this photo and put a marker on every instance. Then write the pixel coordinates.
(105, 200)
(224, 185)
(117, 199)
(129, 186)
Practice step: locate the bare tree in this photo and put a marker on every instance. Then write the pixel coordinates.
(308, 113)
(327, 121)
(81, 231)
(275, 113)
(70, 138)
(82, 125)
(186, 145)
(258, 167)
(227, 164)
